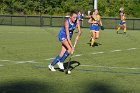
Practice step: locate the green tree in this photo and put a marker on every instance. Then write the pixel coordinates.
(107, 8)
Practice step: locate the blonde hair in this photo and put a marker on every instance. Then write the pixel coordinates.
(121, 9)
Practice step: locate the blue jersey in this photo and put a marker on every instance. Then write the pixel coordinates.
(62, 34)
(79, 17)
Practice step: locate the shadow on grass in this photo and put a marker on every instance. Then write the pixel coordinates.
(121, 33)
(95, 44)
(100, 87)
(73, 65)
(24, 87)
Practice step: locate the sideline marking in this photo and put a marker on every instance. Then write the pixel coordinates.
(22, 62)
(131, 48)
(5, 60)
(97, 53)
(77, 55)
(109, 67)
(116, 50)
(108, 71)
(1, 65)
(50, 59)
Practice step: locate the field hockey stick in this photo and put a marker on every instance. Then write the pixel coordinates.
(70, 58)
(74, 46)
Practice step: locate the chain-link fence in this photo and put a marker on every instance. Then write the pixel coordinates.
(109, 23)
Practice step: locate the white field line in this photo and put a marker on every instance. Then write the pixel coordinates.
(109, 67)
(131, 48)
(1, 65)
(116, 50)
(50, 59)
(22, 62)
(5, 60)
(97, 53)
(78, 55)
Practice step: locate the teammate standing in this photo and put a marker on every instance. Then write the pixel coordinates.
(65, 36)
(123, 21)
(79, 15)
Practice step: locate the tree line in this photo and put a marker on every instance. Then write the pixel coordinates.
(107, 8)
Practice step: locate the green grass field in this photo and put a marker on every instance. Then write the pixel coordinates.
(111, 66)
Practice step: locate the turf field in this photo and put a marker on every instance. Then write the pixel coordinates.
(111, 66)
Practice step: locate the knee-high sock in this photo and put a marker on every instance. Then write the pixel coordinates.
(56, 60)
(125, 29)
(92, 42)
(66, 54)
(118, 28)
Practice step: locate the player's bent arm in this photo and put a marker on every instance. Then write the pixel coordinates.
(79, 30)
(67, 32)
(91, 21)
(101, 24)
(100, 21)
(87, 16)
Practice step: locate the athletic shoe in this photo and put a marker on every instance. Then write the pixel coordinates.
(51, 67)
(60, 65)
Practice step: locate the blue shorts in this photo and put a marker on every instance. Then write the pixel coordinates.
(122, 23)
(63, 37)
(95, 27)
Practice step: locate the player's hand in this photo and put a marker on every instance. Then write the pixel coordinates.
(77, 38)
(72, 50)
(102, 28)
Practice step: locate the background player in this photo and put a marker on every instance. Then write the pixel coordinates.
(123, 21)
(95, 21)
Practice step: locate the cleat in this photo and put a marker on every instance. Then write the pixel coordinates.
(60, 65)
(117, 32)
(51, 67)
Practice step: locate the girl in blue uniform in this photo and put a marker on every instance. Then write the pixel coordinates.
(79, 15)
(65, 36)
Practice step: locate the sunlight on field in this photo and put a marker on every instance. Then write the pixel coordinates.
(111, 66)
